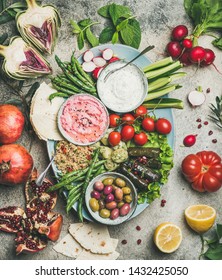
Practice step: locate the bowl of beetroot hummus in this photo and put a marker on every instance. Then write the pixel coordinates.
(83, 119)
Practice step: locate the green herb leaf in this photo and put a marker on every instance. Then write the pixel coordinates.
(106, 34)
(218, 43)
(118, 11)
(93, 40)
(214, 253)
(219, 231)
(76, 27)
(104, 11)
(2, 5)
(80, 40)
(122, 25)
(5, 18)
(85, 22)
(115, 37)
(131, 34)
(3, 37)
(12, 13)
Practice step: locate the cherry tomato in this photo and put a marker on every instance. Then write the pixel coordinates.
(114, 138)
(140, 138)
(128, 118)
(114, 120)
(140, 111)
(148, 124)
(127, 132)
(163, 126)
(203, 170)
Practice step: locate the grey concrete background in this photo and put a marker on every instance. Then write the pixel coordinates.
(156, 18)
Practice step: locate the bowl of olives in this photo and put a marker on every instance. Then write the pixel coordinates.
(111, 198)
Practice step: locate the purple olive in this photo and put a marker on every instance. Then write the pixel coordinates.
(109, 197)
(95, 195)
(107, 190)
(114, 214)
(98, 186)
(124, 210)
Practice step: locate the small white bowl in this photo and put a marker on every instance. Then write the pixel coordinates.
(124, 90)
(64, 132)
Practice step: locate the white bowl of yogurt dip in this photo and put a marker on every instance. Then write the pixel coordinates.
(125, 89)
(83, 119)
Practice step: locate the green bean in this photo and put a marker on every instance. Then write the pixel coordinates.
(82, 72)
(76, 81)
(70, 205)
(62, 83)
(86, 182)
(57, 94)
(62, 89)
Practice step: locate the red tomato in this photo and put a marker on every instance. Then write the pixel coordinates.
(203, 170)
(114, 138)
(148, 124)
(127, 133)
(114, 120)
(140, 111)
(140, 138)
(128, 118)
(163, 126)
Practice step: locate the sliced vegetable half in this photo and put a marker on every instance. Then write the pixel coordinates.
(39, 25)
(22, 61)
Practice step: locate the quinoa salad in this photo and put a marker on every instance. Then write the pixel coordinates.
(70, 157)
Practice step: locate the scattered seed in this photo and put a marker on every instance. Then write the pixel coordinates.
(206, 123)
(210, 132)
(124, 241)
(138, 228)
(163, 202)
(199, 126)
(198, 120)
(139, 241)
(214, 141)
(208, 90)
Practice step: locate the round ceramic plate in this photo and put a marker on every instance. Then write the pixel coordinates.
(133, 204)
(127, 53)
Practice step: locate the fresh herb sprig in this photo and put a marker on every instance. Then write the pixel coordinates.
(8, 13)
(84, 32)
(216, 111)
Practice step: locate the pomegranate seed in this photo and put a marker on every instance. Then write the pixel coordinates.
(199, 126)
(139, 241)
(138, 228)
(210, 132)
(205, 123)
(124, 241)
(214, 141)
(208, 90)
(163, 202)
(198, 120)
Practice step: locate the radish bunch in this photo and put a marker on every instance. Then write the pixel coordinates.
(183, 47)
(95, 64)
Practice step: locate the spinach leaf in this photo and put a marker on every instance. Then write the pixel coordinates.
(106, 34)
(131, 34)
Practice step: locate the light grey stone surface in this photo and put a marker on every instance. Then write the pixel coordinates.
(157, 17)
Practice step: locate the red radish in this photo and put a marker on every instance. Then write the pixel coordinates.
(209, 58)
(99, 61)
(179, 32)
(187, 43)
(197, 54)
(189, 140)
(113, 59)
(107, 54)
(88, 66)
(96, 72)
(88, 56)
(185, 59)
(174, 49)
(196, 98)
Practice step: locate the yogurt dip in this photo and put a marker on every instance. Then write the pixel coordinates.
(83, 119)
(125, 89)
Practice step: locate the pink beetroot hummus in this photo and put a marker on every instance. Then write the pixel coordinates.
(84, 119)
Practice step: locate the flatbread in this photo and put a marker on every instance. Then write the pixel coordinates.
(93, 237)
(68, 247)
(87, 255)
(43, 113)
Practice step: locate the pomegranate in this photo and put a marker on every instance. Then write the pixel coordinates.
(37, 223)
(11, 123)
(15, 164)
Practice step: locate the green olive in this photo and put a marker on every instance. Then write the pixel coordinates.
(94, 204)
(104, 213)
(108, 181)
(126, 190)
(120, 204)
(120, 182)
(128, 198)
